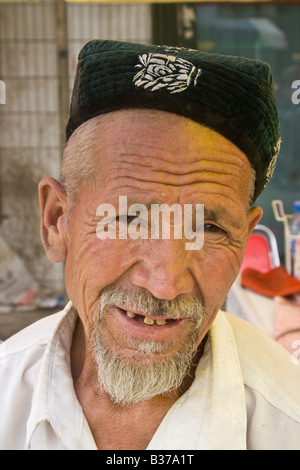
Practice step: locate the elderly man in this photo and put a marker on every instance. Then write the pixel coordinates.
(142, 357)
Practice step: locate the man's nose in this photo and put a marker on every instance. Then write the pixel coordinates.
(164, 270)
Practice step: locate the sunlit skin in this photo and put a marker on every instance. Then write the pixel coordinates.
(149, 160)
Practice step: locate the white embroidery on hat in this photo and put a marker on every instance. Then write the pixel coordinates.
(165, 71)
(273, 161)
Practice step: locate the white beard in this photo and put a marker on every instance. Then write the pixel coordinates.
(131, 381)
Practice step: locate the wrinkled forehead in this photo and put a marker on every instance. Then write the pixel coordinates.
(141, 148)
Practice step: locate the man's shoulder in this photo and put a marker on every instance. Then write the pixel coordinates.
(21, 361)
(253, 342)
(267, 367)
(34, 336)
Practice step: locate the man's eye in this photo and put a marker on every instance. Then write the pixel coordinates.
(211, 228)
(128, 218)
(214, 229)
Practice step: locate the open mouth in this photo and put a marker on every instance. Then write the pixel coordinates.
(146, 320)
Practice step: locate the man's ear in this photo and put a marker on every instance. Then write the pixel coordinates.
(254, 217)
(53, 206)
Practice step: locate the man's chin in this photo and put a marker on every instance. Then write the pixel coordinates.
(139, 376)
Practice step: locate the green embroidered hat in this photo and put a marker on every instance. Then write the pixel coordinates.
(232, 95)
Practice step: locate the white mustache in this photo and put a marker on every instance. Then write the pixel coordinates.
(144, 302)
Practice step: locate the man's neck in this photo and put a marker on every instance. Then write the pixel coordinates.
(114, 426)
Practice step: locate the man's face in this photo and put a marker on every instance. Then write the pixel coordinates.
(158, 160)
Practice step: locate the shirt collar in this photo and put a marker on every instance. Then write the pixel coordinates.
(54, 398)
(212, 413)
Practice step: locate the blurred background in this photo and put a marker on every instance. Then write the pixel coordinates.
(39, 44)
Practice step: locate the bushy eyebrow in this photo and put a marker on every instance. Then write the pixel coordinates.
(132, 200)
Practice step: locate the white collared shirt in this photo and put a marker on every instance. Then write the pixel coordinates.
(246, 393)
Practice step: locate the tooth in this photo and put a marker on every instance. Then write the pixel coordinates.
(148, 321)
(160, 322)
(130, 314)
